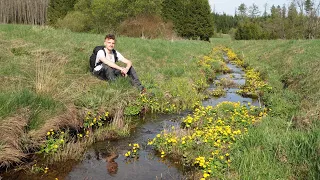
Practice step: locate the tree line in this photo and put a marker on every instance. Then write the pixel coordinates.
(189, 19)
(23, 11)
(300, 20)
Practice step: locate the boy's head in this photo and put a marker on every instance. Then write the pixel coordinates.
(110, 41)
(110, 36)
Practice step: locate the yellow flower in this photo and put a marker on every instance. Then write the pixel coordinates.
(205, 175)
(48, 133)
(46, 170)
(128, 154)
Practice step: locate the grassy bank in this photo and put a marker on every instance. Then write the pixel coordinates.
(46, 84)
(286, 144)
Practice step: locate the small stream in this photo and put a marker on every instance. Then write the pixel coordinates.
(149, 165)
(96, 164)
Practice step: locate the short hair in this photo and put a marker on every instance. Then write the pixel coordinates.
(110, 36)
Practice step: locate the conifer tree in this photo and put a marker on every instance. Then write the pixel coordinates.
(173, 10)
(192, 18)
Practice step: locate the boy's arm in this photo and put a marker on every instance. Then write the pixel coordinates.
(104, 60)
(128, 65)
(111, 64)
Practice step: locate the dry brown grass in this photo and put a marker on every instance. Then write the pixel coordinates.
(147, 26)
(49, 71)
(228, 83)
(12, 130)
(71, 151)
(70, 119)
(307, 119)
(118, 121)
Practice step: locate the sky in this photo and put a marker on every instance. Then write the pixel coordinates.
(229, 6)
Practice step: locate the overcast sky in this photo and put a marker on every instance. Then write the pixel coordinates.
(229, 6)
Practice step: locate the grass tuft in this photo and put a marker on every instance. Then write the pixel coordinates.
(12, 129)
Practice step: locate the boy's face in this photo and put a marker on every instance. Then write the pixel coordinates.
(109, 43)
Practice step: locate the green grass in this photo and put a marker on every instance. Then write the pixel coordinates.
(44, 73)
(46, 70)
(54, 63)
(286, 144)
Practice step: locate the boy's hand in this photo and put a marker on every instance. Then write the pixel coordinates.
(124, 72)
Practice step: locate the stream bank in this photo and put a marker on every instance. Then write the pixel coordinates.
(107, 160)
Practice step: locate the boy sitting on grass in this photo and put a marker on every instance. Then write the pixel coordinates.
(106, 68)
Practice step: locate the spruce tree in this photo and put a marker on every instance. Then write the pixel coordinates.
(192, 18)
(173, 10)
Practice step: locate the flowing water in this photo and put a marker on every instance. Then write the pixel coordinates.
(106, 160)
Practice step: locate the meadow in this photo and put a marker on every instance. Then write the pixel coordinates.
(46, 86)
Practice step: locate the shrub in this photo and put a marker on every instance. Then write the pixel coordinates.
(75, 21)
(147, 26)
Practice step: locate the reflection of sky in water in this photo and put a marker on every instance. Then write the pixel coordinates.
(147, 166)
(232, 97)
(235, 69)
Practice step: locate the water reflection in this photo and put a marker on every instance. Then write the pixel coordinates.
(112, 166)
(106, 160)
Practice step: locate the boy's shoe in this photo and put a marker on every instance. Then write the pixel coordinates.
(143, 90)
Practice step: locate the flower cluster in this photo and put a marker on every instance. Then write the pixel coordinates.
(39, 169)
(207, 135)
(254, 85)
(151, 102)
(54, 140)
(212, 65)
(233, 57)
(219, 91)
(133, 152)
(92, 122)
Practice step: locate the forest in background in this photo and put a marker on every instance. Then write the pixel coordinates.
(300, 20)
(168, 19)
